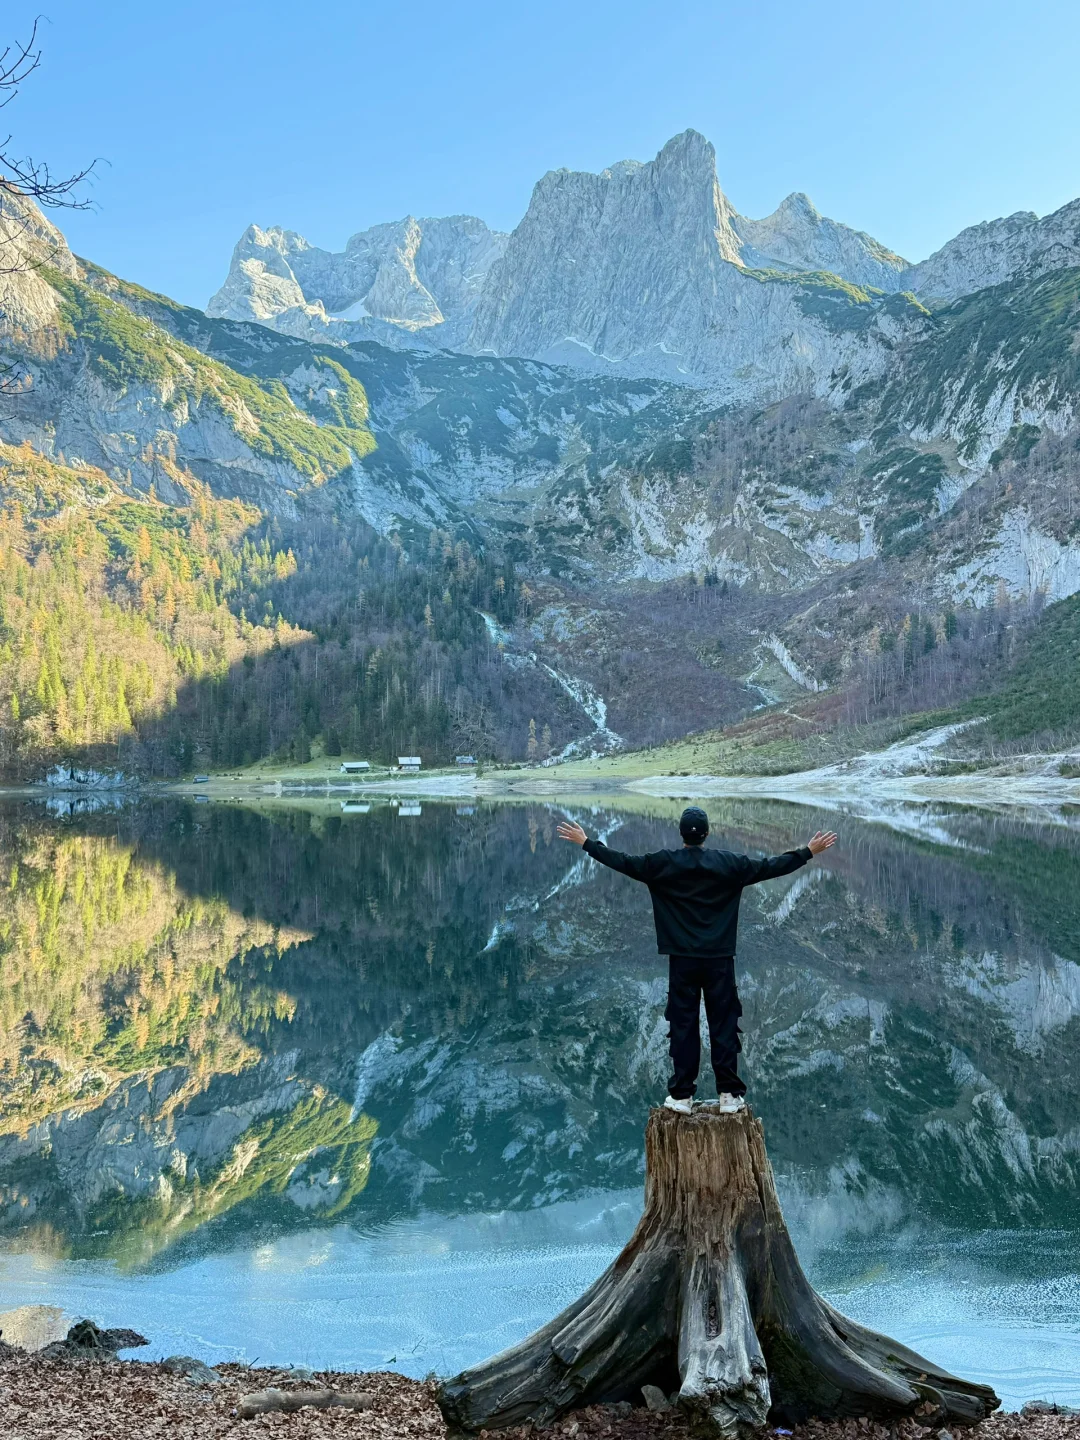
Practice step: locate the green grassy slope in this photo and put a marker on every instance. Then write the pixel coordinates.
(441, 417)
(126, 348)
(1041, 693)
(1022, 333)
(165, 638)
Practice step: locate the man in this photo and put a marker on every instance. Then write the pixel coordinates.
(695, 896)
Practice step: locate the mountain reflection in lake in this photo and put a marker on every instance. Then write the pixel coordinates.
(337, 1087)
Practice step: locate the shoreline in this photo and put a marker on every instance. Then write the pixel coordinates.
(909, 771)
(111, 1399)
(800, 787)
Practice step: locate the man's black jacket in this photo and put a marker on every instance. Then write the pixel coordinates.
(695, 892)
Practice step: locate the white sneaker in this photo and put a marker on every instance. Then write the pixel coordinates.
(682, 1107)
(729, 1104)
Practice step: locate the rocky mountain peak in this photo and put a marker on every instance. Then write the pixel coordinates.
(393, 282)
(690, 153)
(796, 236)
(635, 266)
(798, 206)
(606, 265)
(997, 250)
(644, 266)
(685, 166)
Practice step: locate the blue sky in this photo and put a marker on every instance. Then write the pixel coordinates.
(907, 121)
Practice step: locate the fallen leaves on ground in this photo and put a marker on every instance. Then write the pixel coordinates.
(140, 1400)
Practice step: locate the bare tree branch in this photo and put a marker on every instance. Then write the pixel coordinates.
(24, 175)
(16, 63)
(24, 184)
(34, 179)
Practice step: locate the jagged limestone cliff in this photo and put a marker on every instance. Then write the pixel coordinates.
(1016, 246)
(647, 269)
(644, 269)
(402, 283)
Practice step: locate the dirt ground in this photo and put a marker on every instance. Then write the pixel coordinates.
(138, 1400)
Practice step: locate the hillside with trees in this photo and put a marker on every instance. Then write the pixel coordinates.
(147, 636)
(222, 544)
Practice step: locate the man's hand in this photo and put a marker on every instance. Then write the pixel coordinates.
(574, 833)
(823, 840)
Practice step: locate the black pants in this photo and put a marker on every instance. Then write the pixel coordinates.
(689, 978)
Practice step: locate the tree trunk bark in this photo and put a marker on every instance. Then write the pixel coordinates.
(708, 1298)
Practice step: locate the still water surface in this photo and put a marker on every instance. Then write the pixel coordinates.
(363, 1088)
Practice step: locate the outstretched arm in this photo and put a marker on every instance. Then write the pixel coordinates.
(774, 866)
(638, 867)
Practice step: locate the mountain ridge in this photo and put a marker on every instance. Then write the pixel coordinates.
(381, 286)
(885, 493)
(647, 269)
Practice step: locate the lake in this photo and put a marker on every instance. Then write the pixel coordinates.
(364, 1086)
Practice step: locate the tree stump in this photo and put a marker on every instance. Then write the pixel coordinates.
(708, 1298)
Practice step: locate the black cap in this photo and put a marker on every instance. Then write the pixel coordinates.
(693, 825)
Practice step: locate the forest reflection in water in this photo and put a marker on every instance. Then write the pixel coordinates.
(228, 1030)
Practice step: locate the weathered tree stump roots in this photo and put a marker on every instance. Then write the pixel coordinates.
(708, 1298)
